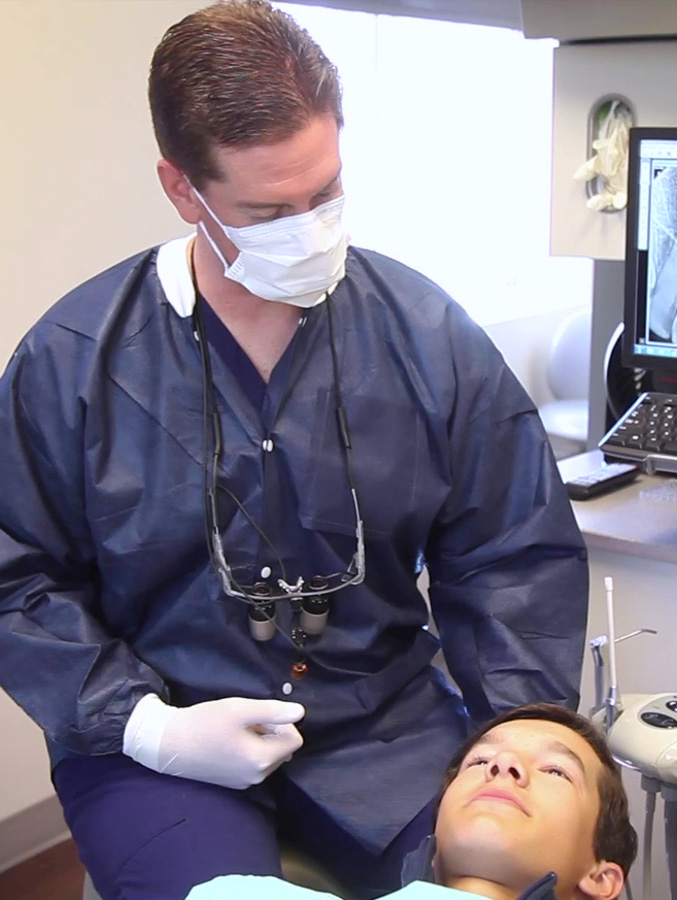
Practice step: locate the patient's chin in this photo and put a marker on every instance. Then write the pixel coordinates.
(483, 849)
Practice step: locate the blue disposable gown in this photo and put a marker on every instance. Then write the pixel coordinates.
(106, 590)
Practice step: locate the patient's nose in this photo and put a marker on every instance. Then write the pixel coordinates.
(507, 764)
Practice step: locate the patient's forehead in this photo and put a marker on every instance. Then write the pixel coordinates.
(541, 736)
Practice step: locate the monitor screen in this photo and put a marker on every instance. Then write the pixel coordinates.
(650, 318)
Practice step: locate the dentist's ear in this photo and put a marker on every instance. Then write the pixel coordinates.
(179, 191)
(604, 882)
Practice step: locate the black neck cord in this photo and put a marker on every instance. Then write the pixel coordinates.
(211, 417)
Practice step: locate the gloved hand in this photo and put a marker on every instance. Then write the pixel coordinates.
(234, 742)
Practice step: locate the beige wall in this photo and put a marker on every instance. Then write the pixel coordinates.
(79, 192)
(24, 767)
(77, 153)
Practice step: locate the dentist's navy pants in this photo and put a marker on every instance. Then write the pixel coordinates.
(145, 836)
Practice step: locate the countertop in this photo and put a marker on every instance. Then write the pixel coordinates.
(638, 519)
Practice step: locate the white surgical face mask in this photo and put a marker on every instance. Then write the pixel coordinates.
(293, 260)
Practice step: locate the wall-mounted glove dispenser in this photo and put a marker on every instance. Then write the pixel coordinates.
(605, 171)
(638, 77)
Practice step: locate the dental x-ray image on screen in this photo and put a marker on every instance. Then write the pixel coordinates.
(662, 263)
(650, 316)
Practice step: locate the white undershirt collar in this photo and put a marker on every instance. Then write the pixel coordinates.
(174, 275)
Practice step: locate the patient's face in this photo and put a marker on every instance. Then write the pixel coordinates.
(525, 802)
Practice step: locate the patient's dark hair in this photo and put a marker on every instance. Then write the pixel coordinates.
(614, 839)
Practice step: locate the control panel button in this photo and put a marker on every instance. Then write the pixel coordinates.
(658, 720)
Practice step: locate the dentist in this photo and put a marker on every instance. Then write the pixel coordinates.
(225, 462)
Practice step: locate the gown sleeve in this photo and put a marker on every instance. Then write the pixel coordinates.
(57, 661)
(507, 564)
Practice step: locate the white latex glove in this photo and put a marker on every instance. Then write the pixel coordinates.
(609, 163)
(233, 742)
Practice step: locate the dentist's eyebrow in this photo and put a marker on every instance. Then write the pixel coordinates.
(330, 184)
(255, 204)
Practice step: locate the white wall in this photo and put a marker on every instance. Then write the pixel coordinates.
(525, 344)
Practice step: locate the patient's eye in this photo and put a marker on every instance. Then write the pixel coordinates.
(475, 761)
(558, 771)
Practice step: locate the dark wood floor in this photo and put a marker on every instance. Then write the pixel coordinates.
(55, 874)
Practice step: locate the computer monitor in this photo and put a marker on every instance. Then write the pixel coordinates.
(650, 317)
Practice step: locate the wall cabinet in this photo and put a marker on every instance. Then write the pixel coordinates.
(577, 20)
(643, 72)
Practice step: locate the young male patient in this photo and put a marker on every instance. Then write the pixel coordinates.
(532, 808)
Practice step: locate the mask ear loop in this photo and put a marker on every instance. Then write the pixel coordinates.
(203, 228)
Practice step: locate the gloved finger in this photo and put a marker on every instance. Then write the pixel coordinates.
(266, 757)
(282, 735)
(275, 764)
(273, 749)
(272, 728)
(270, 712)
(273, 767)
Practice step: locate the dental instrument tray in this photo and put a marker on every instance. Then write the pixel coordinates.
(646, 434)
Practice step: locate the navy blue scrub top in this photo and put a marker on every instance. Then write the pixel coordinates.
(219, 336)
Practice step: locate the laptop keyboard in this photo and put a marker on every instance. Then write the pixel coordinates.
(647, 433)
